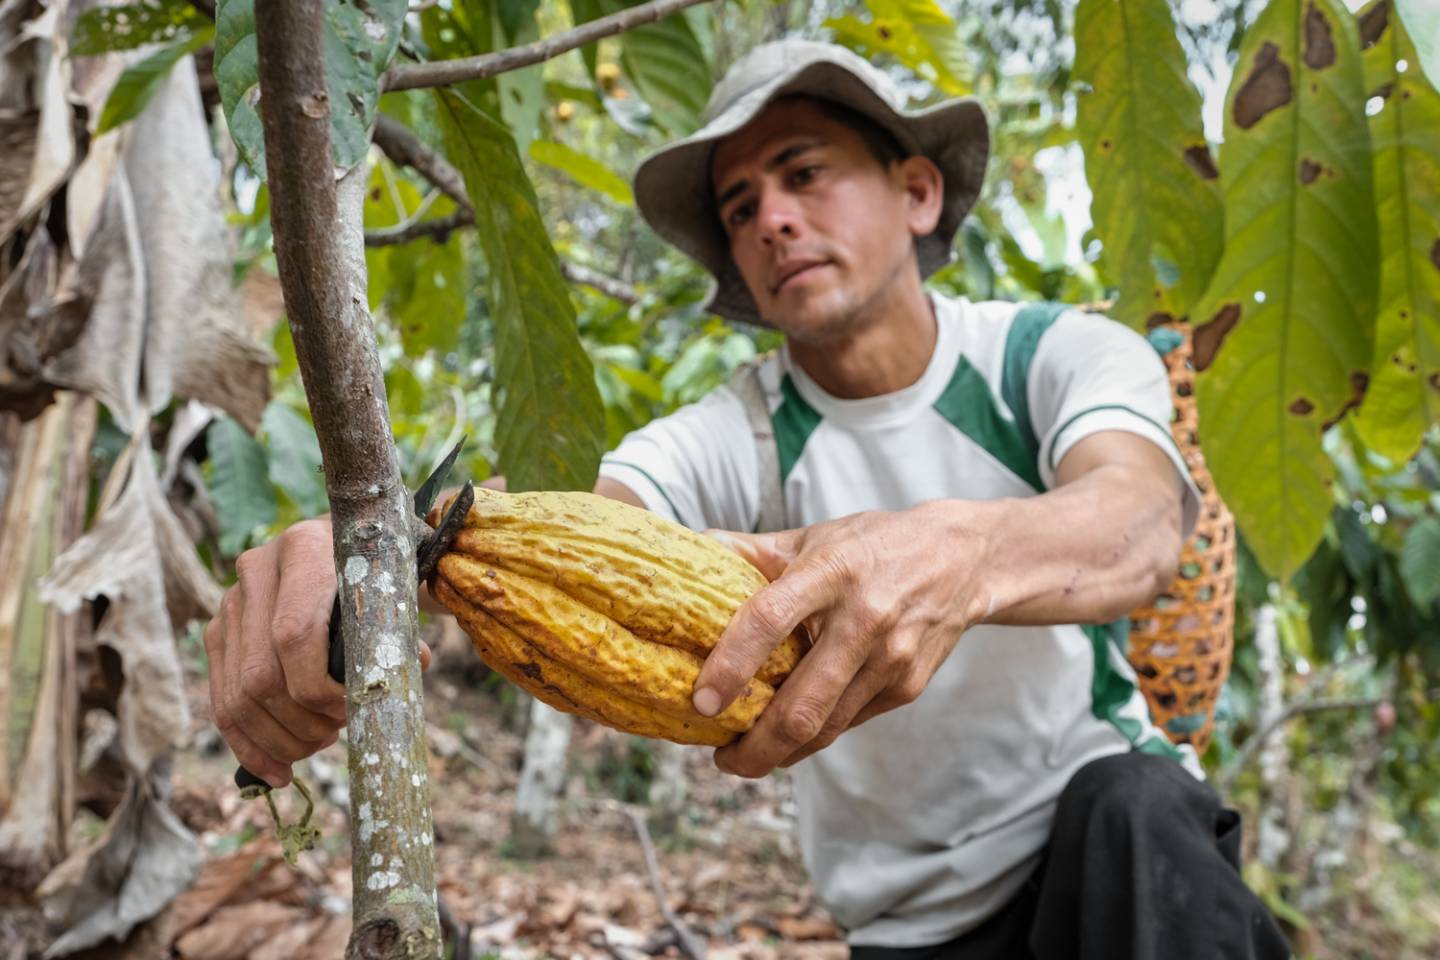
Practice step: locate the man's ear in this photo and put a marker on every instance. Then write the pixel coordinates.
(924, 187)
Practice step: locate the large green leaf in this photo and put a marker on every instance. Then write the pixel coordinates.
(550, 427)
(585, 170)
(360, 38)
(295, 464)
(1404, 393)
(1420, 562)
(1293, 299)
(917, 33)
(139, 81)
(129, 26)
(239, 483)
(1422, 23)
(1157, 203)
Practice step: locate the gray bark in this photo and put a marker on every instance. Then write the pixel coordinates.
(1272, 833)
(319, 246)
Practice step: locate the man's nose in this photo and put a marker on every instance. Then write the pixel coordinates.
(777, 216)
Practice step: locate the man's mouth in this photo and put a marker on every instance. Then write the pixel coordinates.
(792, 271)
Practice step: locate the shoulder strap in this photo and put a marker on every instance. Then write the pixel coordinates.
(747, 386)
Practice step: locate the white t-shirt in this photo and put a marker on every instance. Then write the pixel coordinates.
(920, 823)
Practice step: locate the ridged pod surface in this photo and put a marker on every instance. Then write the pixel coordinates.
(603, 610)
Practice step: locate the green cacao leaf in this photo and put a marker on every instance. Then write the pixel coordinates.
(917, 33)
(139, 81)
(1420, 562)
(295, 458)
(239, 483)
(130, 26)
(360, 38)
(1404, 393)
(1422, 23)
(1156, 191)
(584, 170)
(1284, 333)
(550, 426)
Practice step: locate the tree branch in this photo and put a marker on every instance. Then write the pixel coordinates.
(319, 248)
(401, 145)
(439, 229)
(1301, 705)
(440, 73)
(612, 288)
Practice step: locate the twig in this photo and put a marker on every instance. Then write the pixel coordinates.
(458, 930)
(689, 944)
(438, 229)
(609, 286)
(402, 146)
(1301, 705)
(440, 73)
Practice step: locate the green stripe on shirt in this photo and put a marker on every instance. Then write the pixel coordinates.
(794, 420)
(970, 407)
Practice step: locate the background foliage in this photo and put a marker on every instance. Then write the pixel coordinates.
(1269, 170)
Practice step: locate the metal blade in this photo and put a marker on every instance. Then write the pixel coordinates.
(433, 547)
(430, 489)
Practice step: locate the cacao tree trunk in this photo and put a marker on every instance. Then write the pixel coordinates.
(547, 743)
(670, 788)
(319, 247)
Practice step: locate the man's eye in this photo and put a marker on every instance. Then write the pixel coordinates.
(740, 214)
(805, 174)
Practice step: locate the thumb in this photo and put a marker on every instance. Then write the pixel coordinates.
(770, 553)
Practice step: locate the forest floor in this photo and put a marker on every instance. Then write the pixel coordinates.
(729, 869)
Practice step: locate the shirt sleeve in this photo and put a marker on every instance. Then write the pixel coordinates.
(696, 466)
(1091, 374)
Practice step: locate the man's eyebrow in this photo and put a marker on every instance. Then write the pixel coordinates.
(780, 159)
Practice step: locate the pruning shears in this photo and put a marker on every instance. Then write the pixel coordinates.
(430, 546)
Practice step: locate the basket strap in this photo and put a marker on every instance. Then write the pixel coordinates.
(747, 386)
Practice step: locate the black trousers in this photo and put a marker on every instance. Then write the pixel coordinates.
(1142, 864)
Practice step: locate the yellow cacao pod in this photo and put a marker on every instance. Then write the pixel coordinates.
(603, 610)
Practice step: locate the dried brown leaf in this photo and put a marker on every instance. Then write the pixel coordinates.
(232, 933)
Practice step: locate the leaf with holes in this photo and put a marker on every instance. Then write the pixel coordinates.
(1157, 196)
(583, 169)
(139, 81)
(239, 483)
(360, 38)
(129, 26)
(1293, 299)
(550, 427)
(1404, 393)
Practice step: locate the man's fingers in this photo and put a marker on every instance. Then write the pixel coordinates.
(801, 711)
(299, 627)
(809, 585)
(246, 751)
(868, 688)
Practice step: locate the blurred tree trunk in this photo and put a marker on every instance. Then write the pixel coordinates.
(671, 787)
(541, 779)
(1273, 832)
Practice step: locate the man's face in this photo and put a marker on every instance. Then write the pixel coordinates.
(818, 228)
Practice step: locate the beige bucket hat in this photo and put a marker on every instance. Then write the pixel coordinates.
(672, 186)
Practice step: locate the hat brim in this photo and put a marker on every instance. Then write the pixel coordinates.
(673, 191)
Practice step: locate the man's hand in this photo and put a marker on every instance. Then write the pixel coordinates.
(884, 597)
(270, 693)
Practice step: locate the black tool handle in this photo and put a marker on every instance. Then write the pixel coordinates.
(244, 778)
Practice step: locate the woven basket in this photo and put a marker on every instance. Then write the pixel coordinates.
(1181, 645)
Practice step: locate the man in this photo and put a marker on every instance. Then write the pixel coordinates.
(957, 487)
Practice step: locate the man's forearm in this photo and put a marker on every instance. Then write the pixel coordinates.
(1087, 552)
